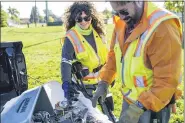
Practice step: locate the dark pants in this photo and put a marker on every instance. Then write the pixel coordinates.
(146, 116)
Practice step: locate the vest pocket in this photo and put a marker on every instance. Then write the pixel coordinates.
(141, 75)
(137, 66)
(82, 55)
(140, 81)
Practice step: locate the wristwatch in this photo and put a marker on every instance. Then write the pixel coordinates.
(140, 105)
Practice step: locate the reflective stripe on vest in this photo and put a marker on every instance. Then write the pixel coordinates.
(157, 16)
(75, 39)
(140, 81)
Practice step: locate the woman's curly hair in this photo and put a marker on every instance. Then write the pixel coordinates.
(76, 8)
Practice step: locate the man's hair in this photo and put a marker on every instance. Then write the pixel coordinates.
(121, 2)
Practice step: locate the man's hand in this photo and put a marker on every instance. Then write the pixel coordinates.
(131, 115)
(101, 91)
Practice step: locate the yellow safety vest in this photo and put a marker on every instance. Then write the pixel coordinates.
(86, 54)
(131, 71)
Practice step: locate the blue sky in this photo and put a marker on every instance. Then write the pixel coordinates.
(57, 8)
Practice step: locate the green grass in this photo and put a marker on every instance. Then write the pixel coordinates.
(42, 50)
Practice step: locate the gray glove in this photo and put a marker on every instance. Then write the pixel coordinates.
(101, 91)
(131, 115)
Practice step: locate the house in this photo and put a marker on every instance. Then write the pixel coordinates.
(24, 20)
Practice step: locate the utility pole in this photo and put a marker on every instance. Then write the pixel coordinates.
(183, 29)
(46, 12)
(183, 18)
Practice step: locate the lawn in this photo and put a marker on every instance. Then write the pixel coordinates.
(42, 50)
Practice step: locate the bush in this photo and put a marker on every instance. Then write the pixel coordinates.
(57, 23)
(4, 17)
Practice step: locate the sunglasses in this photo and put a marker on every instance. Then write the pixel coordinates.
(121, 12)
(80, 19)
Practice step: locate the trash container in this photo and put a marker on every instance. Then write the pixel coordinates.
(12, 64)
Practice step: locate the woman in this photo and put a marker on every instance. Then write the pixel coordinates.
(83, 43)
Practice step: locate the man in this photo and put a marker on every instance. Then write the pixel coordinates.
(145, 55)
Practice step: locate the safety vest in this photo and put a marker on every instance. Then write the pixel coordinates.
(86, 54)
(131, 70)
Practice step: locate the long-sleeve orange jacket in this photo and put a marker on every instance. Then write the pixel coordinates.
(162, 54)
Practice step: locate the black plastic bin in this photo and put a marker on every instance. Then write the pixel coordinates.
(13, 79)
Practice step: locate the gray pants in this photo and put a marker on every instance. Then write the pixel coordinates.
(146, 116)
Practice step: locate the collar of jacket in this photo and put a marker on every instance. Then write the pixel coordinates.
(120, 26)
(141, 26)
(84, 31)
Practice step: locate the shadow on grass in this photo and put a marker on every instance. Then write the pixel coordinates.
(41, 43)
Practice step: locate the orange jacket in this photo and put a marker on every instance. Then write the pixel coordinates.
(162, 55)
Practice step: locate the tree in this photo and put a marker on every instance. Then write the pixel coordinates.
(4, 17)
(34, 16)
(51, 19)
(175, 6)
(51, 14)
(16, 19)
(107, 13)
(14, 14)
(41, 19)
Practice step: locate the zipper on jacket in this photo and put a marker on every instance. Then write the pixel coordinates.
(95, 36)
(122, 70)
(99, 63)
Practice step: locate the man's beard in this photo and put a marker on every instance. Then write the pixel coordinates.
(131, 23)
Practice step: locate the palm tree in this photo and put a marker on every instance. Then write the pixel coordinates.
(13, 12)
